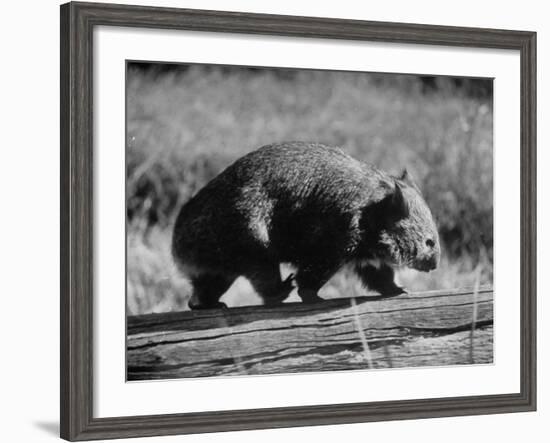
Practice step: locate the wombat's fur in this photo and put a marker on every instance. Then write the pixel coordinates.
(309, 205)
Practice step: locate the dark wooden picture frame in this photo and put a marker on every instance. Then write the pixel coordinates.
(77, 24)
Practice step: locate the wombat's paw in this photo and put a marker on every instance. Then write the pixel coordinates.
(195, 306)
(283, 291)
(274, 301)
(309, 296)
(288, 283)
(393, 291)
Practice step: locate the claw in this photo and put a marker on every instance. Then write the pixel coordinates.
(289, 281)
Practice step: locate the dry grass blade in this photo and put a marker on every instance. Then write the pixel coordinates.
(236, 359)
(474, 313)
(361, 333)
(387, 355)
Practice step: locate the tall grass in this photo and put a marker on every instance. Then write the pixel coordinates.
(184, 126)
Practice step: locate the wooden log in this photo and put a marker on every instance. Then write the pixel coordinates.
(430, 328)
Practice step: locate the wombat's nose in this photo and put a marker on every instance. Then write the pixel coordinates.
(432, 262)
(428, 264)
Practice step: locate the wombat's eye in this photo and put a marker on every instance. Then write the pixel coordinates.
(430, 243)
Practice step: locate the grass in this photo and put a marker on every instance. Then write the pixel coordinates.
(185, 126)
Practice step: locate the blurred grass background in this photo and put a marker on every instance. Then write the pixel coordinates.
(186, 123)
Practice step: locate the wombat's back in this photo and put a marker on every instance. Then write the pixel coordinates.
(234, 215)
(300, 172)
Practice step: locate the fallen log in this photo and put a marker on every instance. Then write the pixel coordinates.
(429, 328)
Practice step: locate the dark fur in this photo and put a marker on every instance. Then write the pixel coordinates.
(309, 205)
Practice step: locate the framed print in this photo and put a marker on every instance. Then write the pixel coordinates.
(260, 214)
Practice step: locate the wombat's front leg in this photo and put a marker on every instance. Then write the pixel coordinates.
(311, 278)
(266, 280)
(207, 290)
(380, 279)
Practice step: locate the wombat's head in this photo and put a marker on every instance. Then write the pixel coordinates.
(408, 235)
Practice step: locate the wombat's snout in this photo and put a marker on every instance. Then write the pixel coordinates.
(427, 264)
(432, 262)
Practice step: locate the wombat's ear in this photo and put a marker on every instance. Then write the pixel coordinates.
(408, 179)
(397, 203)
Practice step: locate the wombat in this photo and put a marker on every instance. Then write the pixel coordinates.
(309, 205)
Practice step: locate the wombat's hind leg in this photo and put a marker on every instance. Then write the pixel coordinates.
(380, 279)
(266, 280)
(312, 278)
(207, 290)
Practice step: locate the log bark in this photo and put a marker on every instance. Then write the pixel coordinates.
(430, 328)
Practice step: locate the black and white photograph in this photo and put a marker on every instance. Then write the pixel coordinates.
(298, 220)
